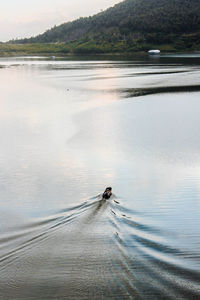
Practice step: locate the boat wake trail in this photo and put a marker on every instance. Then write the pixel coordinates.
(96, 250)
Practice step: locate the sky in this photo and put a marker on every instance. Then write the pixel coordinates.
(26, 18)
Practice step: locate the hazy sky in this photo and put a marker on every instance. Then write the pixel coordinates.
(25, 18)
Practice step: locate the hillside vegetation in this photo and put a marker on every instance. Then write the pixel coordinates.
(130, 26)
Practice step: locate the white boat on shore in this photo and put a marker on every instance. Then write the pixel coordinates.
(154, 52)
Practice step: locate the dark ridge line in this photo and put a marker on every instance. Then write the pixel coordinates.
(133, 75)
(161, 73)
(137, 92)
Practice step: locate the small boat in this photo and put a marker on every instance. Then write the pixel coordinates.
(154, 52)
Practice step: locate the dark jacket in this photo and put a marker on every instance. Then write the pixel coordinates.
(105, 195)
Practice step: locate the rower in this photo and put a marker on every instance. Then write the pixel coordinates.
(107, 194)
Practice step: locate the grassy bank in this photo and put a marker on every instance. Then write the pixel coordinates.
(88, 47)
(32, 49)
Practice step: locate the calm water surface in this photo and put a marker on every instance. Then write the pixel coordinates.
(71, 127)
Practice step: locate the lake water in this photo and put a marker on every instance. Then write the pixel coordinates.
(69, 128)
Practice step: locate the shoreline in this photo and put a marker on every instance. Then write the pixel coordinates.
(69, 50)
(62, 55)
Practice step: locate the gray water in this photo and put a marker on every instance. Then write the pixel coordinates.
(71, 127)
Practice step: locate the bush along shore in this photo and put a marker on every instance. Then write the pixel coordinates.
(86, 47)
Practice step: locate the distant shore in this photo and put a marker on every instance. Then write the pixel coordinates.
(61, 49)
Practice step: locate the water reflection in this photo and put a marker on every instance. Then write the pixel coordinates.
(68, 129)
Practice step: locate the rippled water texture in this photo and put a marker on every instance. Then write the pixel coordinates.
(71, 127)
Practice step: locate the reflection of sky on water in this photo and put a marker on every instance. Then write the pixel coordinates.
(66, 132)
(64, 139)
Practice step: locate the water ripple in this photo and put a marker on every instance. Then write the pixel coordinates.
(104, 249)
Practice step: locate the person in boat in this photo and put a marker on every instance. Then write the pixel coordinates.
(107, 194)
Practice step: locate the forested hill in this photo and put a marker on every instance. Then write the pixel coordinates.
(149, 21)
